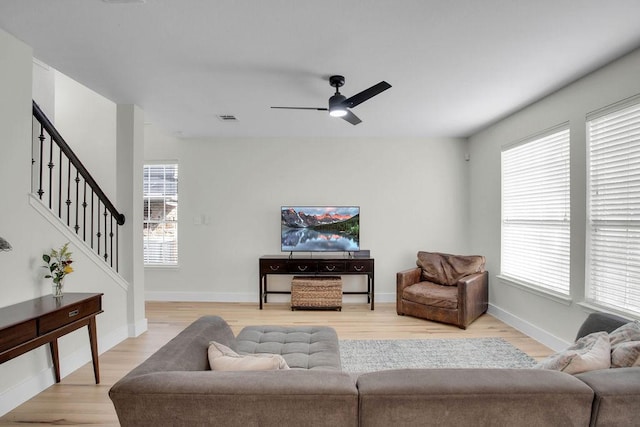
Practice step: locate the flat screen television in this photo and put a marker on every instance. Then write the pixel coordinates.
(320, 228)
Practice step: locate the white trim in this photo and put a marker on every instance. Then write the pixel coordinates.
(536, 290)
(538, 135)
(620, 105)
(138, 328)
(540, 335)
(46, 213)
(249, 297)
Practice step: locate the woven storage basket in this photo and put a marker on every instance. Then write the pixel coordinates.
(316, 292)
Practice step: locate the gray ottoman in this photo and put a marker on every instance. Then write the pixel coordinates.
(303, 347)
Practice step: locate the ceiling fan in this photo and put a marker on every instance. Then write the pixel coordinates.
(339, 104)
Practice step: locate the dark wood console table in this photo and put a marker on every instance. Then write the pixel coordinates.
(30, 324)
(284, 264)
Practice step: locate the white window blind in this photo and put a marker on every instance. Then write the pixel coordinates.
(536, 212)
(613, 264)
(160, 214)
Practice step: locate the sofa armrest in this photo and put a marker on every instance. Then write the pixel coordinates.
(266, 398)
(597, 322)
(617, 396)
(403, 279)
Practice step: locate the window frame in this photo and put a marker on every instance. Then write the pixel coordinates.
(168, 254)
(529, 277)
(596, 265)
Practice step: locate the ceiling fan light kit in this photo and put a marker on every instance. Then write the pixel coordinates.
(339, 105)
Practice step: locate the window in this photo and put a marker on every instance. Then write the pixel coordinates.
(613, 251)
(535, 212)
(161, 214)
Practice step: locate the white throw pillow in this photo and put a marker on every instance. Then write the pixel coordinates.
(625, 345)
(589, 353)
(222, 358)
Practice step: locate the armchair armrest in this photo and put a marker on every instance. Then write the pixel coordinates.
(403, 279)
(473, 297)
(407, 278)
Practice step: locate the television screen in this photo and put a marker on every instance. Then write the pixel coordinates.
(320, 228)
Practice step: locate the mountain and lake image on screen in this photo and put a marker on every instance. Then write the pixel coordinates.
(320, 228)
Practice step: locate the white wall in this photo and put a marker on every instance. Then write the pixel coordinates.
(31, 234)
(87, 121)
(533, 312)
(412, 194)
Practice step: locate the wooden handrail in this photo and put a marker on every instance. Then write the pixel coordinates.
(68, 152)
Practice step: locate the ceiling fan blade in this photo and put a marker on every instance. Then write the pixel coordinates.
(351, 118)
(359, 98)
(303, 108)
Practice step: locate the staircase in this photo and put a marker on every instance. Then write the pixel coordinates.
(62, 183)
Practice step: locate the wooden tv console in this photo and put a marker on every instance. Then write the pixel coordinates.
(311, 266)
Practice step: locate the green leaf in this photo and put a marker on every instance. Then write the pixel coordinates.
(46, 258)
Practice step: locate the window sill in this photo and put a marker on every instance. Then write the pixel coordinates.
(532, 289)
(590, 307)
(162, 267)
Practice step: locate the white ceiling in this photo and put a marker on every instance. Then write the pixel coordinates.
(455, 65)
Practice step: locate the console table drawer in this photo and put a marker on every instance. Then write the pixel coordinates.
(303, 266)
(70, 314)
(331, 266)
(15, 335)
(360, 266)
(273, 267)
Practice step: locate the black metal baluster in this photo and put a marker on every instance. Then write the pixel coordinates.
(117, 248)
(77, 180)
(41, 165)
(60, 184)
(92, 217)
(68, 201)
(105, 234)
(84, 213)
(50, 165)
(111, 240)
(98, 234)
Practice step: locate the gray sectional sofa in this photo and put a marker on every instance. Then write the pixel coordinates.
(176, 387)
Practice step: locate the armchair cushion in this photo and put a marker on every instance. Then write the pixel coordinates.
(445, 269)
(433, 295)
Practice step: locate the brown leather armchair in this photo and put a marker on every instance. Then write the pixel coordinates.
(445, 288)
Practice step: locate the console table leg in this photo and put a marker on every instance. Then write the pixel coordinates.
(93, 339)
(53, 345)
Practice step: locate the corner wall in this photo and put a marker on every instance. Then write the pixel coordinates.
(552, 322)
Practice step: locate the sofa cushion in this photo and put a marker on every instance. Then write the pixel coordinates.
(427, 293)
(587, 354)
(303, 347)
(625, 345)
(222, 358)
(445, 269)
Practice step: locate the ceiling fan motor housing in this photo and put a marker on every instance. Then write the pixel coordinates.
(336, 81)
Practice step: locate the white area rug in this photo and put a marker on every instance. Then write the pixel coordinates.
(377, 355)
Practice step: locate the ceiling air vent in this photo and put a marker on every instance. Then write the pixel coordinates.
(227, 118)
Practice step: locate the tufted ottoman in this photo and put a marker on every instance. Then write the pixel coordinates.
(303, 347)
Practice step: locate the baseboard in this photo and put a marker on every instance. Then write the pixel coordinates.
(138, 328)
(31, 386)
(247, 297)
(540, 335)
(202, 296)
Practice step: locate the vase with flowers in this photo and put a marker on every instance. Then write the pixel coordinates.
(58, 262)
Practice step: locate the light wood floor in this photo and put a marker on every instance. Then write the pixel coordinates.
(76, 400)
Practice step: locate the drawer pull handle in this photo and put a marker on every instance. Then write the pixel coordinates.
(274, 267)
(74, 312)
(302, 267)
(358, 267)
(331, 267)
